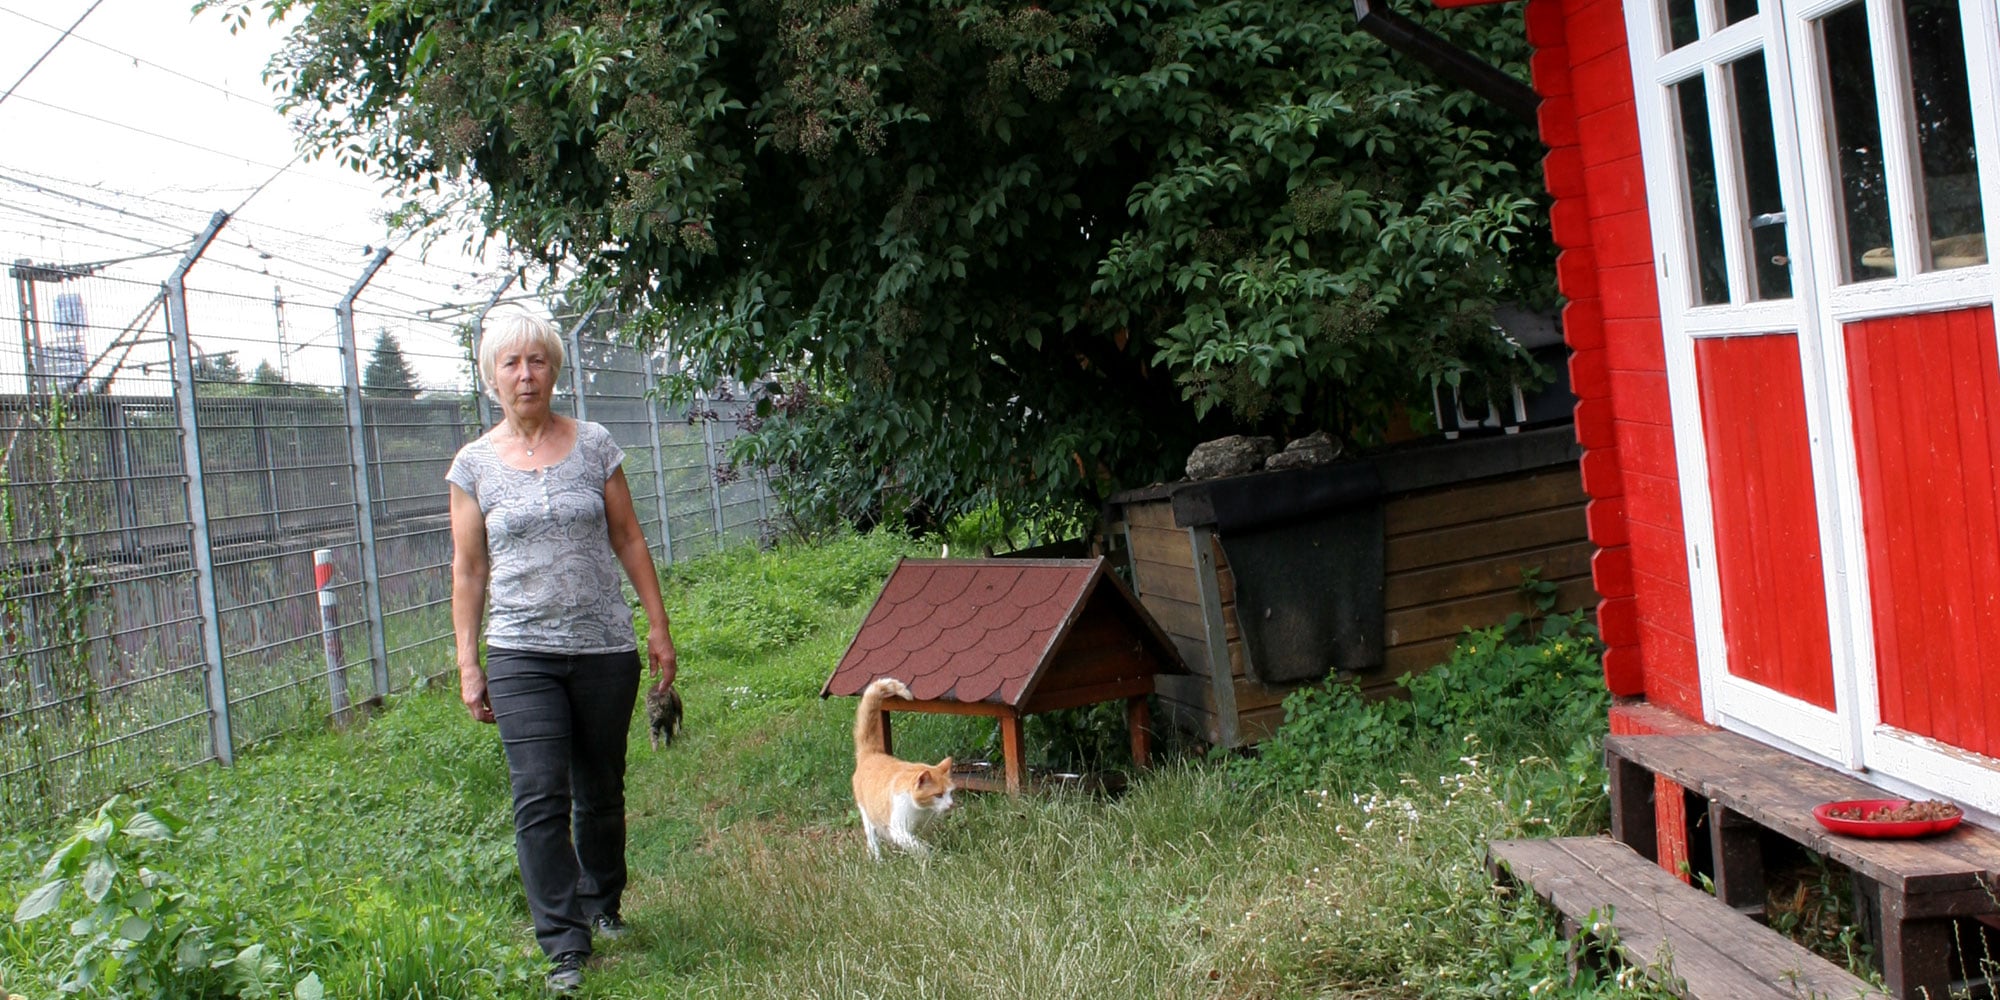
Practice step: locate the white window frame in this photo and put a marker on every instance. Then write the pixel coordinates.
(1910, 290)
(1727, 700)
(1897, 759)
(1821, 304)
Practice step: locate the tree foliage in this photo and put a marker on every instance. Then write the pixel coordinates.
(995, 250)
(219, 366)
(388, 373)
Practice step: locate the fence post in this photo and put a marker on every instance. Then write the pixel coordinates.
(199, 555)
(329, 635)
(120, 449)
(575, 346)
(659, 467)
(762, 476)
(479, 334)
(260, 430)
(708, 417)
(364, 501)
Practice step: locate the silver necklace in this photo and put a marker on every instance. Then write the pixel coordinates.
(531, 448)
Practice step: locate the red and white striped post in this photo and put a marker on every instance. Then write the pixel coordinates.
(329, 633)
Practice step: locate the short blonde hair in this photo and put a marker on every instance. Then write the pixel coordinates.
(513, 329)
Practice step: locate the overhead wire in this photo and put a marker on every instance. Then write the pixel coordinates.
(161, 136)
(249, 243)
(37, 64)
(26, 242)
(70, 32)
(392, 288)
(162, 248)
(259, 189)
(329, 272)
(80, 200)
(140, 60)
(263, 245)
(155, 200)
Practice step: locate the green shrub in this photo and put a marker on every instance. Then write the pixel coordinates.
(1083, 739)
(745, 602)
(1541, 694)
(989, 527)
(138, 932)
(1553, 678)
(399, 942)
(1328, 727)
(747, 621)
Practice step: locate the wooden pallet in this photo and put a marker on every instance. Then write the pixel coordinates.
(1911, 890)
(1684, 939)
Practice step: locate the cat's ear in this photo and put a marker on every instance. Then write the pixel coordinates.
(944, 766)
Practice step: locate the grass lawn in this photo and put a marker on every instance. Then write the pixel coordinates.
(379, 864)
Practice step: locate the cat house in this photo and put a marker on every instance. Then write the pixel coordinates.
(1008, 638)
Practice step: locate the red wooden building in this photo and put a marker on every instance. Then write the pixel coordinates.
(1772, 216)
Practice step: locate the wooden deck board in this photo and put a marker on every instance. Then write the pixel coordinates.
(1687, 940)
(1912, 891)
(1778, 791)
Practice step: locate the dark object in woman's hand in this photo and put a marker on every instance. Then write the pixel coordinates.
(663, 713)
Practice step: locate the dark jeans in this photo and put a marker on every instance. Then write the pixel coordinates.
(564, 720)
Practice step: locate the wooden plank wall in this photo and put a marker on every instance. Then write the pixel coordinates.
(1163, 575)
(1454, 556)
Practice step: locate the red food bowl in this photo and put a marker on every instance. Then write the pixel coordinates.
(1883, 829)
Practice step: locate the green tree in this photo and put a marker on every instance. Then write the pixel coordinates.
(266, 375)
(388, 374)
(1001, 251)
(219, 366)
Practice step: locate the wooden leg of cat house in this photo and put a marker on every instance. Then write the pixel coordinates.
(1139, 723)
(1010, 748)
(888, 745)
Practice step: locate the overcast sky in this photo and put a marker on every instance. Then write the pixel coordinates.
(134, 131)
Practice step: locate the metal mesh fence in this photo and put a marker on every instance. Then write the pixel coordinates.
(137, 638)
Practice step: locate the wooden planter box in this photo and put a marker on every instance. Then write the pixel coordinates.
(1458, 522)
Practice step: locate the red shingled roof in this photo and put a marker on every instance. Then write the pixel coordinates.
(979, 630)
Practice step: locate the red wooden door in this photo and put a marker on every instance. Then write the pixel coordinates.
(1926, 391)
(1766, 517)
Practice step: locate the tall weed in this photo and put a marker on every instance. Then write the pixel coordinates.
(134, 928)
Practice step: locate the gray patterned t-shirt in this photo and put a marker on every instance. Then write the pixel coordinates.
(553, 585)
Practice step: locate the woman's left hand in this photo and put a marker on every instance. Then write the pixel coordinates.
(660, 653)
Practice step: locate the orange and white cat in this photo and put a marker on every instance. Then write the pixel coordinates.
(894, 796)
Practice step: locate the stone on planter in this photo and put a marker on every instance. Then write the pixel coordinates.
(1317, 448)
(1229, 456)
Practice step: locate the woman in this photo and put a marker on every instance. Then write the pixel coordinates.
(539, 511)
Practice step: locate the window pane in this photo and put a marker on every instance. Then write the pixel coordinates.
(1857, 140)
(1770, 267)
(1698, 157)
(1948, 170)
(1681, 25)
(1737, 10)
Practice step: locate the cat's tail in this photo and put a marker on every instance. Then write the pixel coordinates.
(868, 718)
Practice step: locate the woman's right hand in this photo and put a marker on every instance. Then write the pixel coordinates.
(472, 690)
